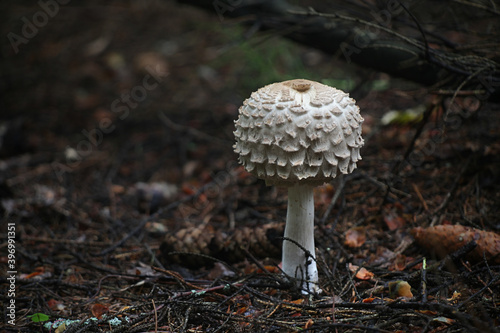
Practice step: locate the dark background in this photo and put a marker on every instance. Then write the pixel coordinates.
(159, 159)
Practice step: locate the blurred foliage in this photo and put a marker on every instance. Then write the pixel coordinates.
(263, 60)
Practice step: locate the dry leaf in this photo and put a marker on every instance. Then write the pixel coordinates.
(61, 328)
(241, 310)
(444, 320)
(38, 271)
(156, 228)
(55, 305)
(219, 271)
(400, 289)
(393, 221)
(98, 310)
(117, 189)
(142, 270)
(399, 263)
(455, 297)
(427, 312)
(74, 278)
(298, 301)
(269, 269)
(361, 273)
(355, 237)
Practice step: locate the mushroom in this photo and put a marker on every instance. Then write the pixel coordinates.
(299, 134)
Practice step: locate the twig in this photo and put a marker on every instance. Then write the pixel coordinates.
(186, 319)
(258, 263)
(64, 241)
(479, 5)
(427, 54)
(192, 131)
(23, 178)
(177, 277)
(312, 12)
(453, 189)
(423, 122)
(91, 299)
(385, 187)
(144, 221)
(351, 279)
(462, 84)
(156, 316)
(423, 284)
(458, 93)
(341, 183)
(480, 291)
(457, 255)
(420, 197)
(308, 255)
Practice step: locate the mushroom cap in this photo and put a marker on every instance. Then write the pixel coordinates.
(298, 130)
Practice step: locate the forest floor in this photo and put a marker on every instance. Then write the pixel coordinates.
(131, 213)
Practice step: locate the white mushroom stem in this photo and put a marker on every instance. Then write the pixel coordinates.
(299, 227)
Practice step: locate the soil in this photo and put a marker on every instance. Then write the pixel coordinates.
(124, 208)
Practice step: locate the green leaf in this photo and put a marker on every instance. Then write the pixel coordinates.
(403, 117)
(38, 317)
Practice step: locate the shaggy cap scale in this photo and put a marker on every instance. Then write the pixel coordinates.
(298, 130)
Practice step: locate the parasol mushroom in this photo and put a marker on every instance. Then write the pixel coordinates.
(299, 134)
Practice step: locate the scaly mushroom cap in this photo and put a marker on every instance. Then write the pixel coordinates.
(298, 130)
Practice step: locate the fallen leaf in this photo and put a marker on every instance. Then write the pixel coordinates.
(55, 305)
(298, 301)
(394, 221)
(361, 273)
(74, 278)
(355, 237)
(61, 328)
(455, 297)
(269, 269)
(368, 300)
(399, 263)
(38, 271)
(444, 320)
(400, 289)
(142, 269)
(151, 60)
(38, 317)
(427, 312)
(403, 117)
(98, 310)
(219, 271)
(117, 189)
(187, 190)
(156, 228)
(241, 310)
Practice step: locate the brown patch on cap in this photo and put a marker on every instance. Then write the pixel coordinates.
(301, 85)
